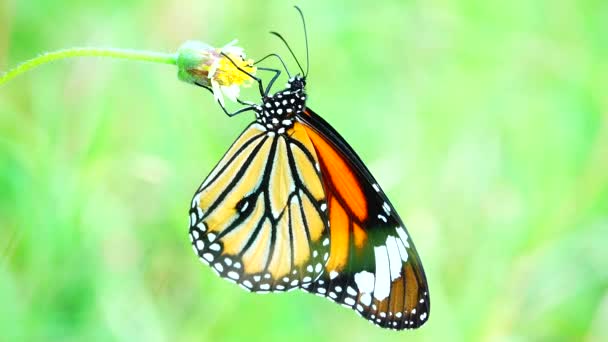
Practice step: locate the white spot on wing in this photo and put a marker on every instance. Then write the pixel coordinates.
(365, 299)
(382, 286)
(402, 250)
(196, 200)
(365, 281)
(387, 208)
(393, 257)
(403, 236)
(349, 301)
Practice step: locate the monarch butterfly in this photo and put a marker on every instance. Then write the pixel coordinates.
(291, 205)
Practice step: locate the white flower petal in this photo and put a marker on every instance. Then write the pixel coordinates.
(232, 91)
(217, 92)
(231, 48)
(213, 68)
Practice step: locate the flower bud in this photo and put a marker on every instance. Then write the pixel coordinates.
(202, 64)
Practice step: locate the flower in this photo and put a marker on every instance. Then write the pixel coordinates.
(205, 65)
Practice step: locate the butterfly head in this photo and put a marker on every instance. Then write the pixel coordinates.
(297, 83)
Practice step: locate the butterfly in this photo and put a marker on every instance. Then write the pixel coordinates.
(292, 206)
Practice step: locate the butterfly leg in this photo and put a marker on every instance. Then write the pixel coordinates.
(245, 103)
(258, 80)
(249, 107)
(278, 57)
(272, 80)
(238, 111)
(277, 72)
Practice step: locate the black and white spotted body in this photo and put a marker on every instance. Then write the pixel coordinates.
(278, 111)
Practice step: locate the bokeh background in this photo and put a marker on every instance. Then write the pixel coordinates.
(486, 123)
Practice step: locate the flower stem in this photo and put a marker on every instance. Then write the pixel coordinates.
(146, 56)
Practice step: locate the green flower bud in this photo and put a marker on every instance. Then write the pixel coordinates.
(205, 65)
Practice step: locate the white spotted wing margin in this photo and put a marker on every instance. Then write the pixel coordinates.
(383, 279)
(258, 218)
(380, 282)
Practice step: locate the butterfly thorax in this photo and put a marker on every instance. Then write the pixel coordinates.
(277, 112)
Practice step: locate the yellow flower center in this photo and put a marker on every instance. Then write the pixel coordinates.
(228, 74)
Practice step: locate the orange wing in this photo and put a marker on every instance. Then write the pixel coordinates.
(373, 266)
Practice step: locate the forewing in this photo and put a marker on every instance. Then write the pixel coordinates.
(373, 266)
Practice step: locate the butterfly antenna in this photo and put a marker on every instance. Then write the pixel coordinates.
(305, 39)
(278, 57)
(288, 48)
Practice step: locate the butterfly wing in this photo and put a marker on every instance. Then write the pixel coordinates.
(373, 266)
(259, 218)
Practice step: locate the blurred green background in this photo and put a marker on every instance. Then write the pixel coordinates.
(485, 122)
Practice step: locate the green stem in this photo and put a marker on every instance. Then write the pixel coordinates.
(146, 56)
